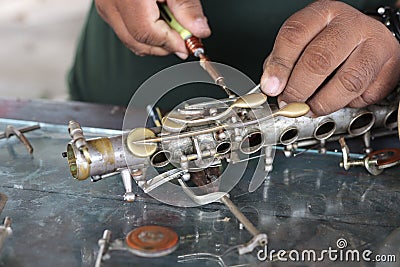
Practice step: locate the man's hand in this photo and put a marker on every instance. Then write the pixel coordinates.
(330, 55)
(138, 25)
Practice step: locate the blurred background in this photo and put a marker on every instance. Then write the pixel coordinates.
(37, 43)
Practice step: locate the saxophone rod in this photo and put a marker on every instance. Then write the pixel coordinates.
(291, 110)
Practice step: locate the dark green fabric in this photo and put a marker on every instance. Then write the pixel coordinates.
(104, 71)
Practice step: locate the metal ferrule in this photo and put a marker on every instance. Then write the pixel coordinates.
(107, 156)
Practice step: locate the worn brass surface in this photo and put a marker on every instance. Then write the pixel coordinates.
(250, 101)
(141, 150)
(293, 110)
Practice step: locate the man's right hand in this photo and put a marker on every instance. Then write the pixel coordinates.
(331, 55)
(138, 25)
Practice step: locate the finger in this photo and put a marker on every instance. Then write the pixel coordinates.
(190, 14)
(381, 87)
(146, 27)
(126, 38)
(351, 80)
(139, 48)
(290, 42)
(321, 57)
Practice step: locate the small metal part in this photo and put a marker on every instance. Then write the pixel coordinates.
(146, 241)
(240, 216)
(259, 239)
(104, 244)
(345, 153)
(195, 46)
(161, 179)
(256, 241)
(256, 89)
(246, 101)
(176, 136)
(370, 164)
(129, 196)
(219, 80)
(203, 199)
(152, 241)
(257, 180)
(11, 130)
(292, 110)
(78, 139)
(367, 142)
(76, 133)
(97, 178)
(5, 231)
(202, 256)
(141, 150)
(22, 130)
(322, 149)
(186, 176)
(171, 126)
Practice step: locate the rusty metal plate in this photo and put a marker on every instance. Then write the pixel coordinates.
(152, 241)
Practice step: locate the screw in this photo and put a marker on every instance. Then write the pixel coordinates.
(346, 165)
(370, 164)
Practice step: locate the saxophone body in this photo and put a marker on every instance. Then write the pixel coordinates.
(201, 136)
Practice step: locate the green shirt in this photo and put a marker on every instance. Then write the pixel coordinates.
(243, 33)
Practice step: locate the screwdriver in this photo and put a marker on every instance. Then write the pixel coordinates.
(195, 47)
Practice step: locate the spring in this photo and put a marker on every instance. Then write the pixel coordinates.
(195, 46)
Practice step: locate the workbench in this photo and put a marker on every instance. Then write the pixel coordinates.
(306, 202)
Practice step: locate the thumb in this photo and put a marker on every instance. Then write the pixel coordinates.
(190, 14)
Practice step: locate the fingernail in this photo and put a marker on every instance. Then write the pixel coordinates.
(271, 86)
(281, 104)
(202, 23)
(181, 55)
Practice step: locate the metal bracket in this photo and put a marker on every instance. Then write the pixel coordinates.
(11, 130)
